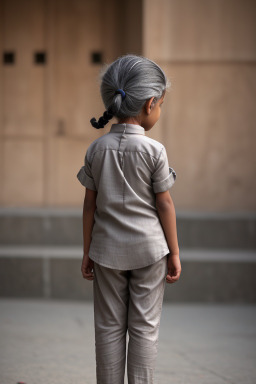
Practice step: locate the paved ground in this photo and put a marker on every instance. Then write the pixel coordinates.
(50, 342)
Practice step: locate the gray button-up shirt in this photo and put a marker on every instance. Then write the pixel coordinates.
(127, 169)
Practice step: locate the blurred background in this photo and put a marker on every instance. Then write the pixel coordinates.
(52, 54)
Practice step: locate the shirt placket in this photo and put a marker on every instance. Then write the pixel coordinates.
(122, 145)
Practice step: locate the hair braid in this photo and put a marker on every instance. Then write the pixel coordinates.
(103, 120)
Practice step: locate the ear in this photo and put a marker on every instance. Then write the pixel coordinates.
(149, 105)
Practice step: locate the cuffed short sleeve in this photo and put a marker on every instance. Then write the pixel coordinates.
(85, 176)
(164, 176)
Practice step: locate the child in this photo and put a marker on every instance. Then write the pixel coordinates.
(129, 222)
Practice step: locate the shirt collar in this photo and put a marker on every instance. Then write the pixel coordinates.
(127, 128)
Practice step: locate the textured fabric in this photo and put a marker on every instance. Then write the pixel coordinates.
(127, 301)
(126, 168)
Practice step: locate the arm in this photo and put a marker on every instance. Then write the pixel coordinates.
(166, 212)
(88, 222)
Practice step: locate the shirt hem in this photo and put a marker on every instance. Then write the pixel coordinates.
(129, 267)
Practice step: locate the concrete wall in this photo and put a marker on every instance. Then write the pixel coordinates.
(208, 49)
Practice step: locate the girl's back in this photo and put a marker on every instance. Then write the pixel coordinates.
(126, 168)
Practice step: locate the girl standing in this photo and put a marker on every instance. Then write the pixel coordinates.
(129, 222)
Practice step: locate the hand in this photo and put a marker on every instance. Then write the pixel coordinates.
(174, 269)
(87, 268)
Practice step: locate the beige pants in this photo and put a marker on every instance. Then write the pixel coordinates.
(127, 301)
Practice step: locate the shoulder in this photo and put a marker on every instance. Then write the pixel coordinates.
(99, 144)
(154, 143)
(147, 145)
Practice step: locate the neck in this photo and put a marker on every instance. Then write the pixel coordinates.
(130, 120)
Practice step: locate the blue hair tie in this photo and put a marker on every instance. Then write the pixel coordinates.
(122, 93)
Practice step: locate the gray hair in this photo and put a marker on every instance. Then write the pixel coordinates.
(140, 79)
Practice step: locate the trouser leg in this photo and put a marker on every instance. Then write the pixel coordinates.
(111, 297)
(146, 286)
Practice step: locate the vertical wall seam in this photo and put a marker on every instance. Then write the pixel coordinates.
(2, 88)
